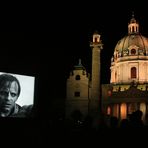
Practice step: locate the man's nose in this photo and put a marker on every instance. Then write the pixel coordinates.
(8, 96)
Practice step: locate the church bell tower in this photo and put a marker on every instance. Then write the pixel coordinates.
(95, 101)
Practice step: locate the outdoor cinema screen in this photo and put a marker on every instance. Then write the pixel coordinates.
(16, 94)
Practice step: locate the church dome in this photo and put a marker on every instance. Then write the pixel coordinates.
(130, 58)
(132, 44)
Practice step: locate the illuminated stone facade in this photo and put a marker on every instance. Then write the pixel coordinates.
(78, 90)
(128, 88)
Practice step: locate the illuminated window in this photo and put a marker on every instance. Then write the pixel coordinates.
(116, 110)
(77, 77)
(77, 94)
(123, 111)
(133, 72)
(108, 110)
(133, 52)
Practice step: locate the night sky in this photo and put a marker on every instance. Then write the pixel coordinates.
(48, 42)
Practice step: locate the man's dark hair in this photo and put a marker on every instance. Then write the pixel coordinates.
(9, 78)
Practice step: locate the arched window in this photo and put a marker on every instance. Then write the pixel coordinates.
(133, 52)
(133, 72)
(77, 77)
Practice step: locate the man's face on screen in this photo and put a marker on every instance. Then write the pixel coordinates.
(8, 97)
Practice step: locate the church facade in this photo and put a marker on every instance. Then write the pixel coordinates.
(128, 88)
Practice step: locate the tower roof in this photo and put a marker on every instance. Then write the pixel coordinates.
(79, 66)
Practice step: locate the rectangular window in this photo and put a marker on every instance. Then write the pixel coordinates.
(133, 72)
(77, 94)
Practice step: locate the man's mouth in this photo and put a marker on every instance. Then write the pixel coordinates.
(6, 108)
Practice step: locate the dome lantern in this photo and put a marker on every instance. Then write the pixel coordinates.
(133, 26)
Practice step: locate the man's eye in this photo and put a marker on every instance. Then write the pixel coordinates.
(13, 94)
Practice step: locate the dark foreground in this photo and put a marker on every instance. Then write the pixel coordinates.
(41, 132)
